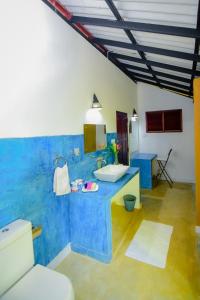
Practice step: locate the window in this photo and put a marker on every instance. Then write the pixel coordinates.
(164, 121)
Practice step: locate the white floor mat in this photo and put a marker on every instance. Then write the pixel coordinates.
(151, 243)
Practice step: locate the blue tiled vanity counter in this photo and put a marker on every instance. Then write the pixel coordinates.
(90, 218)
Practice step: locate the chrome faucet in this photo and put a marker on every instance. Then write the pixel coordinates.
(103, 161)
(100, 162)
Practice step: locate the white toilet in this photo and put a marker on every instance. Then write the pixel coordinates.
(19, 279)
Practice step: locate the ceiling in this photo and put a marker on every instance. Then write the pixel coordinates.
(151, 41)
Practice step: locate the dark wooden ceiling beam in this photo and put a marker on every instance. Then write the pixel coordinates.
(166, 82)
(161, 74)
(149, 77)
(159, 51)
(155, 64)
(117, 15)
(172, 89)
(178, 85)
(123, 69)
(136, 26)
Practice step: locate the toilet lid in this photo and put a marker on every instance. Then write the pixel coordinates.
(41, 283)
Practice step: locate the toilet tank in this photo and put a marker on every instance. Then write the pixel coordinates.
(16, 252)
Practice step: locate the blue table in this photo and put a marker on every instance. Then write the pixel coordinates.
(144, 161)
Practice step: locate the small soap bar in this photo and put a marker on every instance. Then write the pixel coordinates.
(89, 185)
(93, 186)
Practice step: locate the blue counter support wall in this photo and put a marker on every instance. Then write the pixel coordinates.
(26, 186)
(90, 218)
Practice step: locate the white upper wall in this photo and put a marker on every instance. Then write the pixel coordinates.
(49, 73)
(181, 164)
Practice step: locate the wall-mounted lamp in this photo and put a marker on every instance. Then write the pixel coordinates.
(134, 115)
(95, 103)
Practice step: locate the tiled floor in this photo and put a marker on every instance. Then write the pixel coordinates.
(128, 279)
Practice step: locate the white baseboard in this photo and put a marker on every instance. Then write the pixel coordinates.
(197, 229)
(181, 180)
(59, 258)
(184, 180)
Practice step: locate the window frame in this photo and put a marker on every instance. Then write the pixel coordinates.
(179, 111)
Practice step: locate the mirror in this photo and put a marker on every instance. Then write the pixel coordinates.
(94, 137)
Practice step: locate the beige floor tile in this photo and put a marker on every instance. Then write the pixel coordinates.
(127, 279)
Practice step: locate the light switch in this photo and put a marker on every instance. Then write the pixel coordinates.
(76, 151)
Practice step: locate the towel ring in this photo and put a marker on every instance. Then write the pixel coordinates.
(58, 158)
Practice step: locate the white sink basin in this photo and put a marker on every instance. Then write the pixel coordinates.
(111, 173)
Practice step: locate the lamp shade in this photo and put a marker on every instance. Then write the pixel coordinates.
(134, 115)
(95, 103)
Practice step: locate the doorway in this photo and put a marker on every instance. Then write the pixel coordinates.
(133, 137)
(122, 136)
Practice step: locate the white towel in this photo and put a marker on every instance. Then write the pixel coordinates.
(61, 185)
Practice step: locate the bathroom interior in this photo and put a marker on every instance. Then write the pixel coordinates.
(79, 135)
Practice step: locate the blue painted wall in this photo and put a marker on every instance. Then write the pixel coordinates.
(26, 181)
